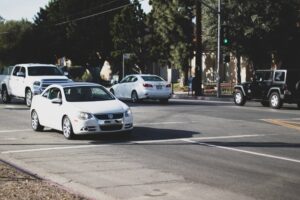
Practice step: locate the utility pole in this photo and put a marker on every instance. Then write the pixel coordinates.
(198, 70)
(219, 51)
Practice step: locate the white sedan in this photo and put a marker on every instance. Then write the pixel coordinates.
(80, 108)
(142, 86)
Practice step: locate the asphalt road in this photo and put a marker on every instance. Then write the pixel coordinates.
(186, 149)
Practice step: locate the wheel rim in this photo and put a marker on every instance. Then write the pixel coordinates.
(274, 100)
(238, 97)
(34, 120)
(28, 97)
(67, 128)
(134, 97)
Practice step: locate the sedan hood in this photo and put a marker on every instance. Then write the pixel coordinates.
(96, 107)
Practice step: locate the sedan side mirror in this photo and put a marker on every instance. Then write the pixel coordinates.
(56, 101)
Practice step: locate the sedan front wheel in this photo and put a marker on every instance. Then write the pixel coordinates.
(67, 128)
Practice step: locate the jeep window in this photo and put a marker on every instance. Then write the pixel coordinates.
(279, 76)
(263, 76)
(16, 70)
(44, 71)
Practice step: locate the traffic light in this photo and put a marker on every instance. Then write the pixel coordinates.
(225, 41)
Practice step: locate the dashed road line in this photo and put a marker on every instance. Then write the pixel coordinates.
(246, 151)
(17, 130)
(284, 123)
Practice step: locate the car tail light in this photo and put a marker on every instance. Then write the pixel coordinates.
(168, 85)
(147, 85)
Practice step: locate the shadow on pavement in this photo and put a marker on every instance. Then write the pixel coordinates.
(139, 134)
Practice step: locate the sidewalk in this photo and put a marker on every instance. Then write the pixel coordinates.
(185, 95)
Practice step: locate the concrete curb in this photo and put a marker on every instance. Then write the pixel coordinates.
(206, 98)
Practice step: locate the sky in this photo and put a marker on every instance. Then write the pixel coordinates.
(27, 9)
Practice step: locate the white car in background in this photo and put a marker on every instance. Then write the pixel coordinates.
(142, 86)
(79, 108)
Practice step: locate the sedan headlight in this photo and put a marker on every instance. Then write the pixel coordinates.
(128, 112)
(85, 116)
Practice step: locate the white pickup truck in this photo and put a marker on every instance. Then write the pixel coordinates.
(27, 80)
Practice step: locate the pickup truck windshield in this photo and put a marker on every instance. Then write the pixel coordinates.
(44, 71)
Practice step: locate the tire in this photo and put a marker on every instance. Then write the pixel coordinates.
(164, 101)
(5, 96)
(134, 97)
(28, 97)
(298, 105)
(275, 100)
(239, 98)
(35, 123)
(265, 103)
(67, 128)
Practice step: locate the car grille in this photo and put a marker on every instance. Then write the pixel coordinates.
(113, 115)
(47, 82)
(114, 127)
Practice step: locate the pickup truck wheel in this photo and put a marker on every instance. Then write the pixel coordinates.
(35, 123)
(239, 98)
(275, 100)
(28, 97)
(67, 128)
(5, 96)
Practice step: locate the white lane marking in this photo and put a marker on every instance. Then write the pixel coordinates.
(126, 143)
(245, 151)
(197, 138)
(8, 139)
(161, 123)
(19, 130)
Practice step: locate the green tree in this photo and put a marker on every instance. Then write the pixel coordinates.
(172, 22)
(128, 32)
(76, 28)
(13, 44)
(262, 30)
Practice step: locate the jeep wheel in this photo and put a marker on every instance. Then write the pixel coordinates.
(28, 97)
(5, 96)
(275, 100)
(239, 98)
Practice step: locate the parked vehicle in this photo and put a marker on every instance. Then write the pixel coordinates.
(270, 87)
(27, 80)
(142, 86)
(80, 108)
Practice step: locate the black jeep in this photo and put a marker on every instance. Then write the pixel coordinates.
(271, 88)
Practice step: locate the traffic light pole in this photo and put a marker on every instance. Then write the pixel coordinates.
(198, 70)
(219, 51)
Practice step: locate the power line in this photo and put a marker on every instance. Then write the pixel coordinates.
(95, 14)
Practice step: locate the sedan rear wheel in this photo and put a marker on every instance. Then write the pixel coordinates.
(35, 123)
(67, 128)
(134, 97)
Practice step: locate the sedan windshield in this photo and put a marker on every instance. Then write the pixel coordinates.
(152, 78)
(87, 93)
(44, 71)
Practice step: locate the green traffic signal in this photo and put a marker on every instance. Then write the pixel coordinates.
(225, 41)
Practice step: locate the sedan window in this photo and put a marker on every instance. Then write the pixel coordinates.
(87, 93)
(152, 78)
